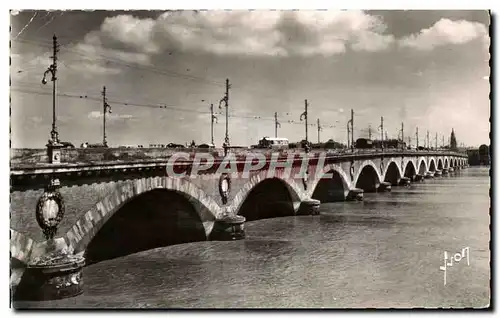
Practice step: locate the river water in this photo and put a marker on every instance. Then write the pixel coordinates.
(383, 252)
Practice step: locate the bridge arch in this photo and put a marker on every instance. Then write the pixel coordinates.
(333, 188)
(392, 172)
(409, 170)
(265, 196)
(440, 164)
(446, 163)
(422, 166)
(432, 164)
(189, 200)
(367, 177)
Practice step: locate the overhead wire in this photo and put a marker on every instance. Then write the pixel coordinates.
(166, 73)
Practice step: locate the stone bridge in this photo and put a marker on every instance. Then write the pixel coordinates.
(116, 208)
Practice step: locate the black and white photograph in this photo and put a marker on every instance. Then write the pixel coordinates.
(250, 159)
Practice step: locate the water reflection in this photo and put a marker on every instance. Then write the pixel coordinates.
(383, 252)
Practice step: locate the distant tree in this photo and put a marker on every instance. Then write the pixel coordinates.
(483, 150)
(453, 140)
(484, 154)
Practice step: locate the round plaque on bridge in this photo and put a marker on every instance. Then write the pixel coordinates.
(49, 212)
(224, 187)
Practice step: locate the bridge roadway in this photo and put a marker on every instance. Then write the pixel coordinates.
(151, 200)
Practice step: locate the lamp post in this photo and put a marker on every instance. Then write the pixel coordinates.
(54, 135)
(106, 108)
(225, 99)
(381, 127)
(213, 119)
(53, 146)
(276, 124)
(319, 129)
(351, 144)
(303, 116)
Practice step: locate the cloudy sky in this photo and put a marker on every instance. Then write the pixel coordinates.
(424, 68)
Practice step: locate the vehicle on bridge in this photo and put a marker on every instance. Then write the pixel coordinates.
(156, 146)
(331, 144)
(89, 145)
(206, 146)
(364, 143)
(388, 144)
(67, 144)
(273, 143)
(175, 146)
(394, 143)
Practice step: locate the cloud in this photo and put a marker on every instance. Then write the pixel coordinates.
(131, 32)
(94, 49)
(445, 32)
(36, 120)
(31, 60)
(258, 33)
(88, 69)
(98, 115)
(120, 40)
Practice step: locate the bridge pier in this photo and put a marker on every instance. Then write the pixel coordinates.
(228, 228)
(445, 171)
(309, 207)
(54, 274)
(404, 181)
(384, 187)
(355, 195)
(429, 175)
(437, 173)
(419, 177)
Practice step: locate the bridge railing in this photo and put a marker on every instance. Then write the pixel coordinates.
(33, 158)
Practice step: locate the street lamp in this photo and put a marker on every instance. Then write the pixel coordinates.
(54, 146)
(52, 69)
(106, 109)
